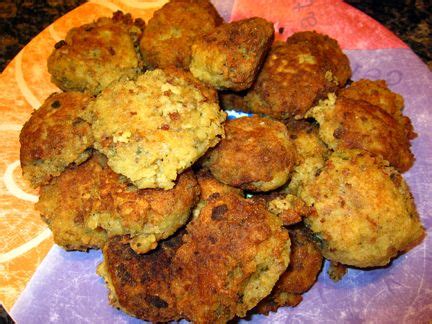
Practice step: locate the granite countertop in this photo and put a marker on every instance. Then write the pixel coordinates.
(21, 20)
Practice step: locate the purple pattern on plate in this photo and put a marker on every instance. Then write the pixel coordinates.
(66, 289)
(224, 7)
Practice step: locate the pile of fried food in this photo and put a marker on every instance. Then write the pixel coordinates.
(207, 219)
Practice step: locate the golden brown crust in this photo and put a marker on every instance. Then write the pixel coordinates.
(305, 265)
(87, 204)
(255, 155)
(154, 127)
(54, 137)
(356, 124)
(230, 56)
(365, 213)
(297, 74)
(94, 55)
(171, 31)
(210, 186)
(311, 153)
(231, 257)
(329, 49)
(140, 284)
(378, 94)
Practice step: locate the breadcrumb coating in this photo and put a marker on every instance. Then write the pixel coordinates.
(153, 128)
(231, 257)
(140, 284)
(88, 204)
(54, 137)
(172, 30)
(94, 55)
(356, 124)
(305, 265)
(365, 213)
(311, 153)
(255, 155)
(230, 56)
(296, 74)
(378, 94)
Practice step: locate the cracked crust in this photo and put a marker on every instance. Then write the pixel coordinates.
(231, 257)
(54, 137)
(90, 203)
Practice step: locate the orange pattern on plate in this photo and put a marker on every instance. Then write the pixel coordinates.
(24, 85)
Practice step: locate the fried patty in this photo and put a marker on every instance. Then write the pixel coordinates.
(54, 137)
(330, 52)
(140, 284)
(305, 265)
(231, 257)
(311, 153)
(171, 31)
(365, 213)
(296, 74)
(209, 186)
(90, 203)
(153, 128)
(230, 56)
(357, 124)
(94, 55)
(378, 94)
(255, 155)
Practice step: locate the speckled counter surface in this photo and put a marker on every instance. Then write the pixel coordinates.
(21, 20)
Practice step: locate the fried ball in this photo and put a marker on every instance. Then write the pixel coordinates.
(94, 55)
(296, 75)
(329, 50)
(140, 284)
(54, 137)
(365, 213)
(256, 154)
(356, 124)
(378, 94)
(230, 56)
(171, 31)
(311, 153)
(231, 257)
(90, 203)
(155, 127)
(305, 265)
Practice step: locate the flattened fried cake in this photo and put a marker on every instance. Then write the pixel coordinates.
(330, 52)
(90, 203)
(171, 31)
(311, 153)
(378, 94)
(210, 186)
(365, 213)
(296, 74)
(140, 284)
(305, 265)
(153, 128)
(231, 257)
(54, 137)
(94, 55)
(356, 124)
(255, 155)
(230, 56)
